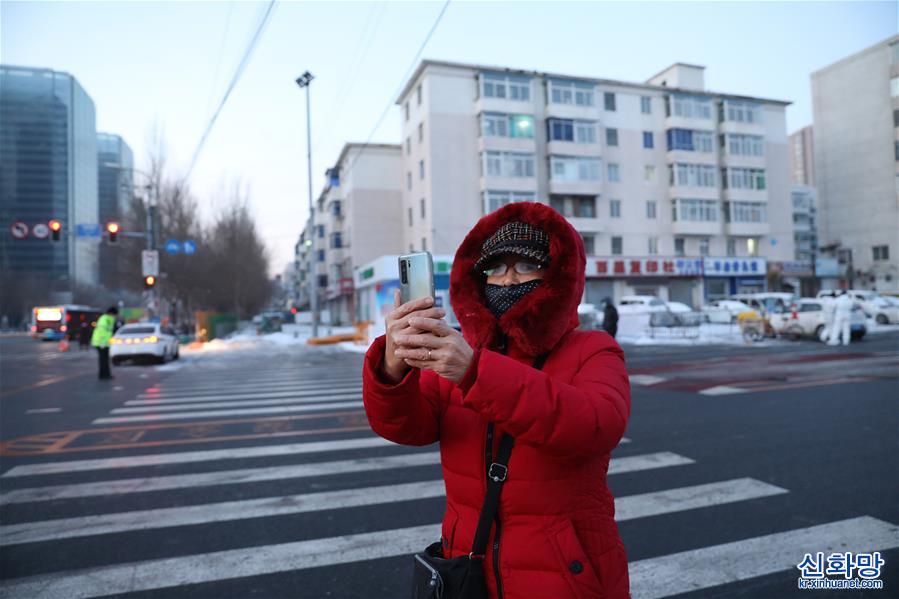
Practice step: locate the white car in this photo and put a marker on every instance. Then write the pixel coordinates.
(143, 340)
(882, 309)
(678, 307)
(641, 304)
(768, 302)
(806, 319)
(724, 311)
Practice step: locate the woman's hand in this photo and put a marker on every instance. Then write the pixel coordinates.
(439, 347)
(397, 325)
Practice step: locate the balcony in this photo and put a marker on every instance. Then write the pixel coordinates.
(702, 228)
(576, 187)
(343, 286)
(747, 229)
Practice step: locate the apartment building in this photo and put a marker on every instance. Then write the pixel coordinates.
(856, 149)
(355, 220)
(676, 191)
(802, 156)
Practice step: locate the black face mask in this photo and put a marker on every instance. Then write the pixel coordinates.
(500, 299)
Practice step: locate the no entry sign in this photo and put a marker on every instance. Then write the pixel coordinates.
(19, 229)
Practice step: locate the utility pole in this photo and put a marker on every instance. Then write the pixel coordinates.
(303, 81)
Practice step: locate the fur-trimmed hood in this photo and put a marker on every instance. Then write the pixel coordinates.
(536, 323)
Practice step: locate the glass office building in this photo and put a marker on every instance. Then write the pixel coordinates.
(115, 187)
(48, 169)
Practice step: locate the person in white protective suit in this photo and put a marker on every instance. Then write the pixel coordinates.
(828, 306)
(842, 312)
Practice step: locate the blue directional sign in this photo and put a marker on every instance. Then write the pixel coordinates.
(189, 247)
(173, 246)
(87, 230)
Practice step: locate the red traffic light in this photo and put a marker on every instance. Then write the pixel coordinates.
(113, 228)
(293, 310)
(149, 281)
(55, 229)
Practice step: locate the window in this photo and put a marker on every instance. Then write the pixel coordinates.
(611, 137)
(406, 110)
(743, 145)
(752, 246)
(574, 168)
(578, 93)
(503, 86)
(421, 169)
(410, 216)
(322, 280)
(614, 173)
(691, 107)
(409, 181)
(896, 115)
(881, 252)
(424, 244)
(418, 94)
(651, 209)
(321, 255)
(585, 132)
(508, 164)
(745, 212)
(321, 231)
(408, 146)
(645, 104)
(740, 111)
(421, 132)
(694, 210)
(578, 206)
(653, 246)
(689, 140)
(497, 124)
(731, 247)
(649, 173)
(609, 101)
(614, 208)
(744, 178)
(589, 243)
(421, 203)
(493, 200)
(336, 241)
(894, 87)
(616, 246)
(647, 140)
(704, 246)
(696, 175)
(679, 247)
(560, 129)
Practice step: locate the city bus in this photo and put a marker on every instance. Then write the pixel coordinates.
(52, 323)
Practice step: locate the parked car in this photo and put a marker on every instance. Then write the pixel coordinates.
(725, 311)
(590, 317)
(769, 302)
(882, 309)
(640, 304)
(678, 307)
(144, 340)
(806, 319)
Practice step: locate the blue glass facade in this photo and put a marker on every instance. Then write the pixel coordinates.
(115, 187)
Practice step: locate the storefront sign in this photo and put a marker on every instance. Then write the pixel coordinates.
(827, 267)
(731, 267)
(646, 267)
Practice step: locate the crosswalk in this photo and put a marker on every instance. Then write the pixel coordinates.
(164, 521)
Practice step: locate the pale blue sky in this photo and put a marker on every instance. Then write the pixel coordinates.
(167, 62)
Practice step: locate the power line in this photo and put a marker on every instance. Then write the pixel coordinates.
(218, 63)
(234, 79)
(402, 83)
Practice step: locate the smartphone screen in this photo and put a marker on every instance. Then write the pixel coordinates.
(416, 276)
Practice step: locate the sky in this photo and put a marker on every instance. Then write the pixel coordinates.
(164, 66)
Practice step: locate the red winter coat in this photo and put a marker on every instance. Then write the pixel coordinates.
(558, 536)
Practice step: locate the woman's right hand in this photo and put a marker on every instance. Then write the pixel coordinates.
(397, 323)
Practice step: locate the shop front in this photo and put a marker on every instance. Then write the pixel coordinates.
(727, 276)
(670, 278)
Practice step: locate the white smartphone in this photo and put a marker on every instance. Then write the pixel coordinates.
(416, 276)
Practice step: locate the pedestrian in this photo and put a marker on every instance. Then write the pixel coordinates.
(100, 339)
(842, 314)
(610, 317)
(828, 313)
(84, 333)
(515, 285)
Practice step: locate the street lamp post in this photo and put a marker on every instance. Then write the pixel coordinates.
(303, 81)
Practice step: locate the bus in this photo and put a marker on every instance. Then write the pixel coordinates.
(52, 323)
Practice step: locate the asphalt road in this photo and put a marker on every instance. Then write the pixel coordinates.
(252, 473)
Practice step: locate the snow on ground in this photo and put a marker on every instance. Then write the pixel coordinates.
(291, 335)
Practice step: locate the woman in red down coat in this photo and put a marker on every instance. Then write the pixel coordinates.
(555, 534)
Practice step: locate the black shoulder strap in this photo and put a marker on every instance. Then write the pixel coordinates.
(496, 476)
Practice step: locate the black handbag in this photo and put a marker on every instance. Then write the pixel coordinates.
(434, 576)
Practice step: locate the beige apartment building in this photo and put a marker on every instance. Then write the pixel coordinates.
(856, 153)
(355, 220)
(677, 191)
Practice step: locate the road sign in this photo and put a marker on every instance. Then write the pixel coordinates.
(190, 247)
(150, 263)
(19, 229)
(40, 230)
(87, 230)
(173, 246)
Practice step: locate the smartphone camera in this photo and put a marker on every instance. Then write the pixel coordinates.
(404, 275)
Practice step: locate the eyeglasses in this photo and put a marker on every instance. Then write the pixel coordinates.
(523, 268)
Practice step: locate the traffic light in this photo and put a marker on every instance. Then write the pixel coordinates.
(55, 229)
(113, 229)
(149, 281)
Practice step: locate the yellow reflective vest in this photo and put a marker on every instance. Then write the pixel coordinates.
(103, 331)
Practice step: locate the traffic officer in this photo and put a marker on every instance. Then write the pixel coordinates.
(100, 339)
